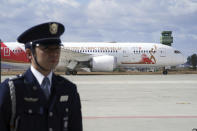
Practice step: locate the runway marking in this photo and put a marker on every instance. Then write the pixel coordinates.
(134, 82)
(140, 117)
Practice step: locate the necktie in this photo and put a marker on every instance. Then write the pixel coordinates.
(45, 86)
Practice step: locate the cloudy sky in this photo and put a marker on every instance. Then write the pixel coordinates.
(106, 20)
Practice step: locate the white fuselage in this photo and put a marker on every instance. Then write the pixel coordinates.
(132, 54)
(124, 54)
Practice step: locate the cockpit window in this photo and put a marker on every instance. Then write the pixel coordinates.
(177, 52)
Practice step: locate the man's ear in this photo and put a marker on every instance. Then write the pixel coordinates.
(28, 54)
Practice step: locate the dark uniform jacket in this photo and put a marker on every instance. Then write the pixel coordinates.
(62, 112)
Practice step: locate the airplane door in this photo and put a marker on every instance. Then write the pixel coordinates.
(125, 52)
(6, 51)
(162, 52)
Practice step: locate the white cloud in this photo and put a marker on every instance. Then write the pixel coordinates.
(103, 20)
(14, 1)
(7, 13)
(72, 3)
(101, 11)
(182, 7)
(138, 14)
(123, 13)
(11, 8)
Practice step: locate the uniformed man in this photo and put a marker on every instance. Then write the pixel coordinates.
(39, 100)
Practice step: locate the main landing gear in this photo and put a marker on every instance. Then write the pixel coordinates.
(165, 71)
(70, 72)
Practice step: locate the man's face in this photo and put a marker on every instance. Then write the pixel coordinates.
(48, 56)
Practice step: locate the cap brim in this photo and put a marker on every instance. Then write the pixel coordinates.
(48, 42)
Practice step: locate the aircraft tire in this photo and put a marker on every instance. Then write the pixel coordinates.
(165, 72)
(71, 72)
(68, 72)
(74, 72)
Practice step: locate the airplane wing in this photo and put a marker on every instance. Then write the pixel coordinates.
(73, 60)
(70, 55)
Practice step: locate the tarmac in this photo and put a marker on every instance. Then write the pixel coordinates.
(138, 102)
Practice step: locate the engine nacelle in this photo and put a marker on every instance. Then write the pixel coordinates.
(103, 63)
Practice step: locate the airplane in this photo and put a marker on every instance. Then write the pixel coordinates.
(101, 56)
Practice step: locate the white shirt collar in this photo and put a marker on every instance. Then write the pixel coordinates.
(40, 76)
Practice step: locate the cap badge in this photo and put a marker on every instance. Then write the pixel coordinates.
(53, 28)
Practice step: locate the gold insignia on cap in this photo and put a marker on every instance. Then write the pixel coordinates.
(53, 28)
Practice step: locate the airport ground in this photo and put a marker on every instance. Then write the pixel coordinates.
(138, 102)
(186, 71)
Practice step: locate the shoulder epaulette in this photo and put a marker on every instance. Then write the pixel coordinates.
(13, 122)
(16, 77)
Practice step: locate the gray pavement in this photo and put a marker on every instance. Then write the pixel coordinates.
(138, 102)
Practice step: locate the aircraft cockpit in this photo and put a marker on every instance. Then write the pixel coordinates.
(177, 52)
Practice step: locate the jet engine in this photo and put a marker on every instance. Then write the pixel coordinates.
(103, 63)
